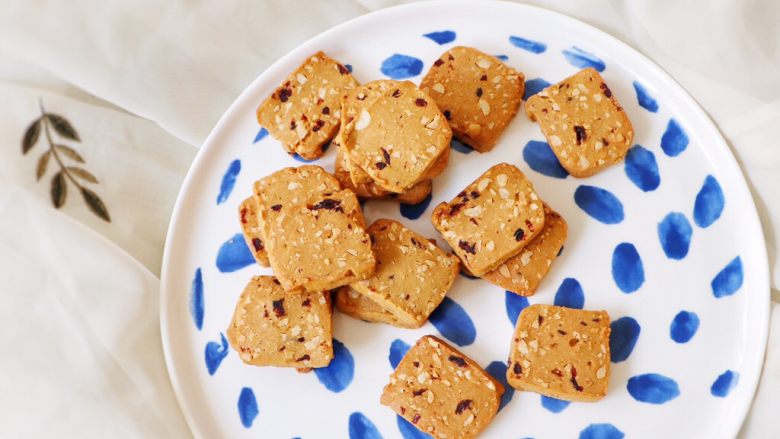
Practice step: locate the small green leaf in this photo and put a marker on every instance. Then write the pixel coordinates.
(95, 204)
(63, 127)
(82, 174)
(69, 152)
(31, 135)
(59, 190)
(43, 164)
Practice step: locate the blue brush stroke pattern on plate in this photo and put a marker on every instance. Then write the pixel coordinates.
(529, 45)
(653, 388)
(398, 348)
(360, 427)
(196, 299)
(514, 305)
(601, 431)
(441, 37)
(497, 369)
(724, 384)
(247, 407)
(600, 204)
(452, 321)
(644, 98)
(684, 326)
(534, 86)
(339, 373)
(215, 353)
(415, 211)
(260, 135)
(502, 57)
(409, 431)
(348, 67)
(627, 269)
(234, 255)
(674, 233)
(674, 141)
(228, 181)
(461, 147)
(624, 335)
(582, 59)
(642, 169)
(570, 294)
(709, 203)
(540, 158)
(554, 405)
(729, 279)
(400, 66)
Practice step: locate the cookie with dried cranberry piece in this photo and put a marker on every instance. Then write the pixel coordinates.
(477, 93)
(273, 328)
(492, 219)
(412, 275)
(583, 122)
(398, 137)
(561, 352)
(356, 305)
(523, 272)
(291, 186)
(304, 112)
(247, 215)
(442, 392)
(371, 191)
(319, 244)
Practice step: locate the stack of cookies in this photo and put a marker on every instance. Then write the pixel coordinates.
(392, 139)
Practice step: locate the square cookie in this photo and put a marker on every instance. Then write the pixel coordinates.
(412, 274)
(247, 214)
(477, 93)
(561, 352)
(356, 305)
(398, 137)
(492, 219)
(319, 244)
(523, 272)
(273, 328)
(442, 392)
(291, 186)
(304, 112)
(583, 122)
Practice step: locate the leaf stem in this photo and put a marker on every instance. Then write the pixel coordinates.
(53, 150)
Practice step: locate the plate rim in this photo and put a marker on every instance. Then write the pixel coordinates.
(696, 112)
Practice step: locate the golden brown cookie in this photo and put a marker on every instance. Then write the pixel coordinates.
(398, 137)
(583, 122)
(477, 93)
(412, 274)
(356, 305)
(492, 219)
(523, 272)
(304, 112)
(561, 352)
(247, 214)
(442, 392)
(273, 328)
(291, 185)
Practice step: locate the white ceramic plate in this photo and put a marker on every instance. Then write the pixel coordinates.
(663, 387)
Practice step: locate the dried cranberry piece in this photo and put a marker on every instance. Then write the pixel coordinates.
(257, 244)
(438, 62)
(468, 248)
(278, 306)
(284, 94)
(517, 369)
(328, 204)
(519, 233)
(420, 102)
(396, 93)
(416, 418)
(276, 207)
(318, 125)
(606, 90)
(581, 135)
(380, 165)
(343, 70)
(447, 114)
(479, 92)
(306, 357)
(458, 361)
(326, 110)
(462, 406)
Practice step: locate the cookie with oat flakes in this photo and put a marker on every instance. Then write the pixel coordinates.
(492, 219)
(320, 243)
(561, 352)
(523, 272)
(583, 122)
(412, 275)
(398, 137)
(273, 328)
(250, 227)
(477, 93)
(304, 112)
(356, 305)
(442, 392)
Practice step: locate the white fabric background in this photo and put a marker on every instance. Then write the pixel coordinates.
(145, 81)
